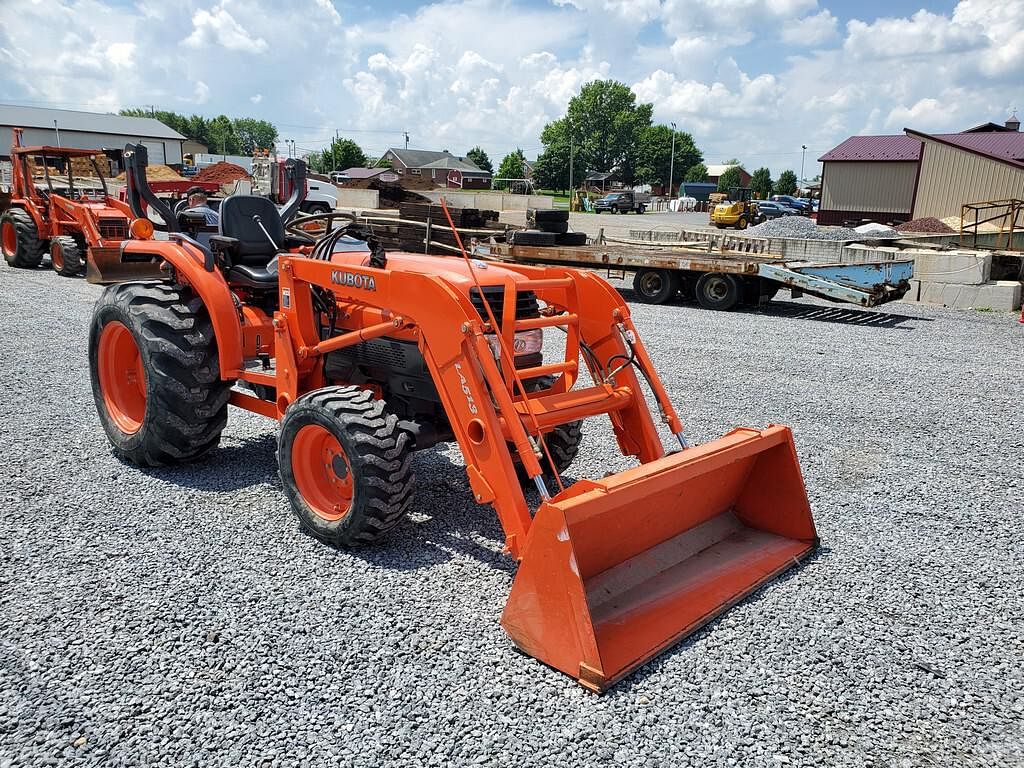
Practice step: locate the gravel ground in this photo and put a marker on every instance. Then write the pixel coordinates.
(178, 617)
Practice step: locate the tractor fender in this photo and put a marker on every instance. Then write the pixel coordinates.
(27, 206)
(188, 263)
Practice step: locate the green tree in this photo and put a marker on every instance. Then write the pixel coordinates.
(786, 185)
(761, 183)
(254, 134)
(697, 174)
(654, 155)
(606, 124)
(513, 166)
(223, 139)
(551, 171)
(480, 159)
(731, 178)
(342, 154)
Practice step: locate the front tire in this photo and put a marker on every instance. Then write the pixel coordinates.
(66, 257)
(155, 374)
(19, 239)
(346, 465)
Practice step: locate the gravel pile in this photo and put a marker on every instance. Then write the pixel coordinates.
(178, 617)
(801, 228)
(927, 224)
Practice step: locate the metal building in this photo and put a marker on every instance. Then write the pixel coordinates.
(890, 179)
(88, 130)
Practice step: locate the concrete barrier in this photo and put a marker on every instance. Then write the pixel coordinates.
(358, 198)
(1001, 295)
(490, 201)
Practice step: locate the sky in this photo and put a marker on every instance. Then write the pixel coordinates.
(750, 79)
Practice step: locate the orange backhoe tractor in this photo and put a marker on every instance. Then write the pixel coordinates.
(365, 357)
(60, 204)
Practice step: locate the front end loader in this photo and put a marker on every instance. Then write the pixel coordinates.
(366, 357)
(60, 205)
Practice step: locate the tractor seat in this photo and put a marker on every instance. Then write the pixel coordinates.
(254, 278)
(240, 219)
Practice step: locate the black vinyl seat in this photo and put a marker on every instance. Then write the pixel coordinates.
(240, 219)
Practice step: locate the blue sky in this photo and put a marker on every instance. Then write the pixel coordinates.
(755, 81)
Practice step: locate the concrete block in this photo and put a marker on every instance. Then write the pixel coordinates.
(358, 198)
(955, 267)
(1002, 295)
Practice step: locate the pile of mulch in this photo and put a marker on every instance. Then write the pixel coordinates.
(392, 193)
(158, 172)
(927, 224)
(221, 173)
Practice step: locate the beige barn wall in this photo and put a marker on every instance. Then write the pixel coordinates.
(951, 177)
(869, 186)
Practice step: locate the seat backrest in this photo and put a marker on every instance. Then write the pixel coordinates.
(236, 220)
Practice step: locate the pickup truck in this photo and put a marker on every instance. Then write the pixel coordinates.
(622, 202)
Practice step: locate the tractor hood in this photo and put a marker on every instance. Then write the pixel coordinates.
(451, 268)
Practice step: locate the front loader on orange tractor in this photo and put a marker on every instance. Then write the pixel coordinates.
(57, 209)
(365, 357)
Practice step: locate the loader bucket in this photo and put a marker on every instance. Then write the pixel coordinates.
(107, 265)
(615, 571)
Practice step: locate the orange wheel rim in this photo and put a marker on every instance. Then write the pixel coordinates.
(9, 238)
(122, 377)
(57, 256)
(323, 475)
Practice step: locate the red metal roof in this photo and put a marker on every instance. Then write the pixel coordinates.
(1006, 146)
(892, 148)
(1002, 146)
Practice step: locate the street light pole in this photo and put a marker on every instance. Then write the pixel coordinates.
(803, 153)
(672, 161)
(334, 151)
(570, 167)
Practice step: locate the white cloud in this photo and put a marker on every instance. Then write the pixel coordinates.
(256, 98)
(202, 93)
(811, 30)
(218, 27)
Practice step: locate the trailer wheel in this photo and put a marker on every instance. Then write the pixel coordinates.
(757, 288)
(655, 286)
(716, 290)
(346, 465)
(155, 374)
(65, 256)
(19, 239)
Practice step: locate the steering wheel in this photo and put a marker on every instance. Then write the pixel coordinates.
(180, 206)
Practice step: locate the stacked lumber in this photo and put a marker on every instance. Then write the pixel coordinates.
(411, 236)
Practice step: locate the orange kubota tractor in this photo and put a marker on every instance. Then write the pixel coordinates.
(60, 204)
(365, 357)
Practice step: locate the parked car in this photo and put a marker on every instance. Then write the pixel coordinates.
(802, 206)
(622, 202)
(771, 210)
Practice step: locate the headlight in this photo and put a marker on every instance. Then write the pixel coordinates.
(523, 343)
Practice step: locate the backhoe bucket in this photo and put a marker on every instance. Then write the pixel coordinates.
(107, 265)
(614, 571)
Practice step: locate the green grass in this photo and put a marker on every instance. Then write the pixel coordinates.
(558, 197)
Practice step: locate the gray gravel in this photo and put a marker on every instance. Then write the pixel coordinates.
(803, 228)
(178, 617)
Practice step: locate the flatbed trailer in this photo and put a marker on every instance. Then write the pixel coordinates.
(720, 271)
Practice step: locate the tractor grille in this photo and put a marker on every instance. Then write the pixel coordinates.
(526, 302)
(380, 352)
(112, 228)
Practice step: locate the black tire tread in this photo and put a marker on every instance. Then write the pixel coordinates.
(186, 408)
(74, 256)
(383, 466)
(30, 251)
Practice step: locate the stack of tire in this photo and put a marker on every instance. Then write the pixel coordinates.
(548, 227)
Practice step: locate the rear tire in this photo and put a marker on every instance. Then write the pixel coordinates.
(66, 257)
(655, 286)
(742, 223)
(346, 465)
(717, 290)
(19, 239)
(155, 374)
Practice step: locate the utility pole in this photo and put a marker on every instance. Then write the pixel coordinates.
(334, 151)
(672, 161)
(803, 153)
(57, 131)
(406, 139)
